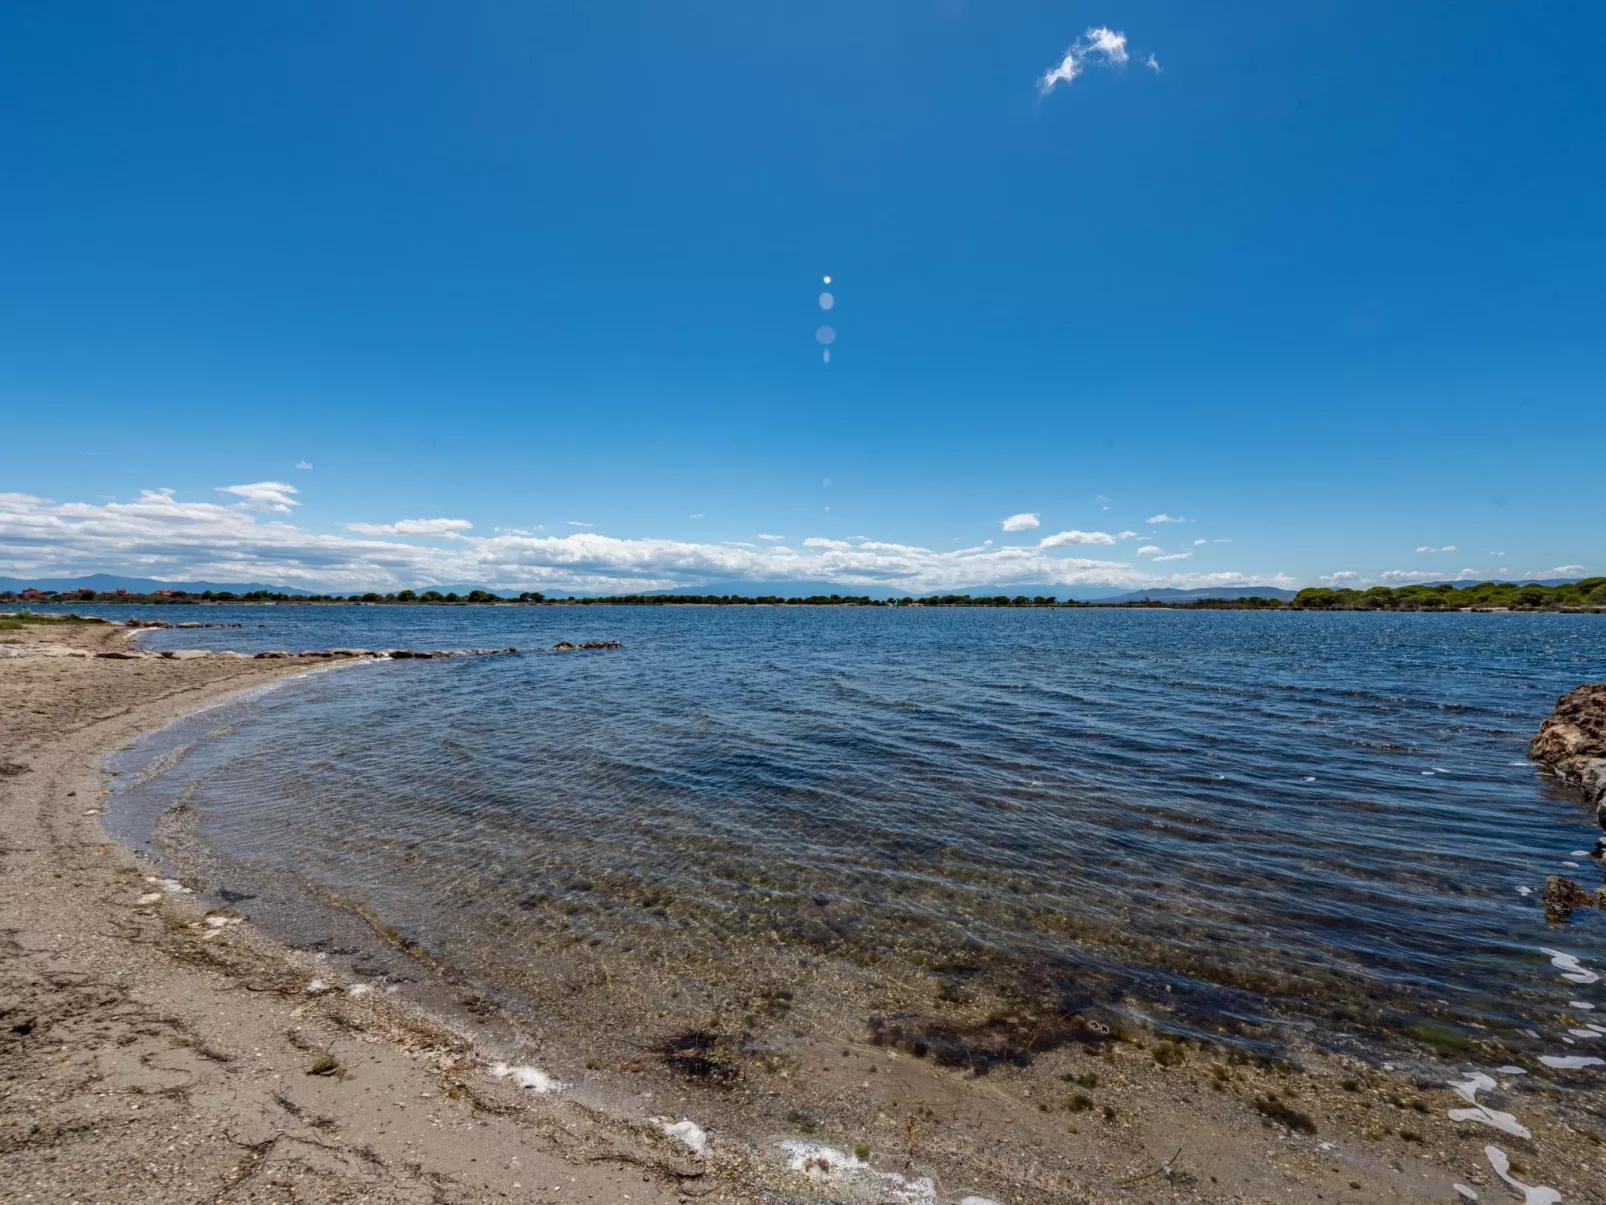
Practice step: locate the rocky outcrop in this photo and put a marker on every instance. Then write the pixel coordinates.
(1572, 743)
(563, 646)
(1562, 895)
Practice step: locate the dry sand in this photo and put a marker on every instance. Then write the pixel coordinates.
(151, 1052)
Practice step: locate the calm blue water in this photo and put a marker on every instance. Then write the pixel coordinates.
(1325, 817)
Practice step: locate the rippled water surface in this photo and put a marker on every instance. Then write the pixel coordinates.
(1250, 814)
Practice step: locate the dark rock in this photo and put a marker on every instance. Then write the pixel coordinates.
(1572, 743)
(1562, 895)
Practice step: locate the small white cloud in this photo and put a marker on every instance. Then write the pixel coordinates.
(1342, 578)
(1175, 556)
(303, 464)
(1558, 571)
(698, 515)
(1227, 541)
(1162, 517)
(1124, 535)
(1497, 554)
(1196, 543)
(263, 495)
(1440, 548)
(822, 542)
(578, 523)
(770, 535)
(1153, 64)
(1076, 537)
(1097, 43)
(1150, 550)
(1021, 522)
(413, 527)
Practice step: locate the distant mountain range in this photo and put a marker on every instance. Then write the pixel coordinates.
(135, 585)
(1183, 596)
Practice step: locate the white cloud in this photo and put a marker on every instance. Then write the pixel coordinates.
(1196, 543)
(414, 527)
(768, 535)
(1021, 522)
(161, 536)
(262, 495)
(1175, 556)
(1150, 550)
(1558, 571)
(303, 464)
(1441, 548)
(1404, 577)
(1342, 579)
(1153, 64)
(1097, 43)
(1060, 539)
(1124, 535)
(1162, 517)
(578, 523)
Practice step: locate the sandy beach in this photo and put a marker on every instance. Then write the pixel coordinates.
(156, 1046)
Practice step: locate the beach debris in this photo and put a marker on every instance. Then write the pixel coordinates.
(1571, 969)
(325, 1064)
(1510, 1070)
(1465, 1193)
(318, 985)
(840, 1170)
(150, 897)
(359, 989)
(169, 886)
(1562, 895)
(185, 654)
(525, 1076)
(1571, 1062)
(688, 1133)
(1531, 1195)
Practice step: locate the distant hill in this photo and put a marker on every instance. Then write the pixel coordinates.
(135, 585)
(1167, 595)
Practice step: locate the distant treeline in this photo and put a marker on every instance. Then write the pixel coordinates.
(1586, 595)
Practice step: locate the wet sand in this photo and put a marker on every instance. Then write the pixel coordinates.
(153, 1049)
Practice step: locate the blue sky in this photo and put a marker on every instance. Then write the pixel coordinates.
(1327, 284)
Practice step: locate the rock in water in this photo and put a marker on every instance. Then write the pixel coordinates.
(1562, 895)
(1572, 743)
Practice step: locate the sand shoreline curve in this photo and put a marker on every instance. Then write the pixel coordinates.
(153, 1049)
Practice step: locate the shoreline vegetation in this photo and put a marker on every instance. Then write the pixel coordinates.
(1585, 596)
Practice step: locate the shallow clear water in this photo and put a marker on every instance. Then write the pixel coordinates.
(1322, 817)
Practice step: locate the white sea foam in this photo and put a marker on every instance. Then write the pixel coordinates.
(359, 989)
(1583, 1033)
(318, 985)
(1468, 1090)
(525, 1076)
(1571, 1062)
(1571, 969)
(1530, 1195)
(1464, 1192)
(1511, 1070)
(839, 1169)
(1579, 853)
(1525, 891)
(1583, 1004)
(689, 1133)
